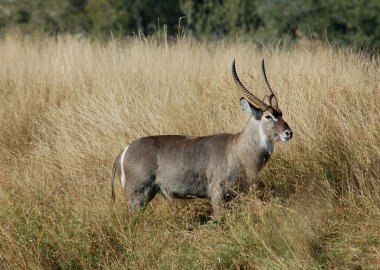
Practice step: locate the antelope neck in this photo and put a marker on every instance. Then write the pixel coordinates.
(254, 134)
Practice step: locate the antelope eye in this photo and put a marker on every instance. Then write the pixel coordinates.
(268, 116)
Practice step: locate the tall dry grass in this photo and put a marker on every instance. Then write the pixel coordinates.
(68, 106)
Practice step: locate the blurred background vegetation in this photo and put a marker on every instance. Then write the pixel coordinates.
(339, 22)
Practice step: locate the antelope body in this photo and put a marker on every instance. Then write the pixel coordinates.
(215, 167)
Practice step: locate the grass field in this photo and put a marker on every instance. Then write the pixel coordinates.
(68, 106)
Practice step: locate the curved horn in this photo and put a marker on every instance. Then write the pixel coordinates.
(271, 96)
(246, 92)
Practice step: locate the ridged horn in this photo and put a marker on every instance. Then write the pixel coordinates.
(272, 97)
(252, 98)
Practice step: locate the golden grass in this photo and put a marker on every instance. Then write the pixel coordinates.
(68, 107)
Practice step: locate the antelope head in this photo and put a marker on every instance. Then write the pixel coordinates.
(268, 116)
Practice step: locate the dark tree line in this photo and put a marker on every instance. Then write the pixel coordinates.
(348, 22)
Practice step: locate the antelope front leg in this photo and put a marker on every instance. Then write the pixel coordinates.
(218, 203)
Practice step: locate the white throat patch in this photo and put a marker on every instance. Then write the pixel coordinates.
(266, 144)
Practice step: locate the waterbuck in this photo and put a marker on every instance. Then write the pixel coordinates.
(215, 167)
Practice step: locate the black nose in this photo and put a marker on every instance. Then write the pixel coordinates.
(289, 133)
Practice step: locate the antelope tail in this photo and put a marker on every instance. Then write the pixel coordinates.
(113, 180)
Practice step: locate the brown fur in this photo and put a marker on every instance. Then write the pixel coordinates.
(214, 167)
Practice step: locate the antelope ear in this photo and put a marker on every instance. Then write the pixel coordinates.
(267, 100)
(271, 100)
(249, 108)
